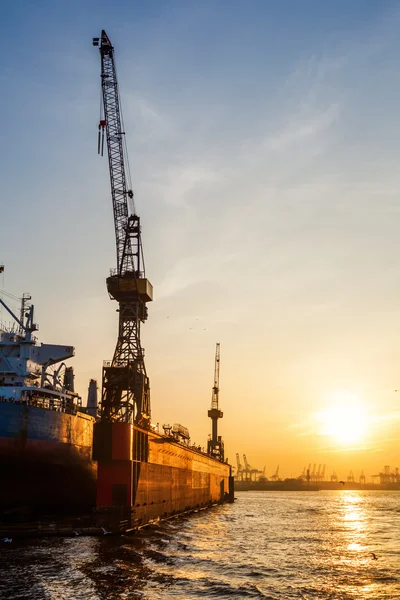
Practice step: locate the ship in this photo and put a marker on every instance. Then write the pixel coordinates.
(107, 460)
(45, 433)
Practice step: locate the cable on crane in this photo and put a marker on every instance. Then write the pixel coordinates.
(131, 201)
(11, 296)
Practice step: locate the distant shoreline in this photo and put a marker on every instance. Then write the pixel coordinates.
(290, 485)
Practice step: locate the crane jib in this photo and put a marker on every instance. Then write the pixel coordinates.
(126, 389)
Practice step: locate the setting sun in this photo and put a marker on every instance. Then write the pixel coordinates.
(345, 420)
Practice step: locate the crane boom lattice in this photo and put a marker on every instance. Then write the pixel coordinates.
(125, 390)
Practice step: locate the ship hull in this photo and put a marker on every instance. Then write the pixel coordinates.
(156, 475)
(45, 460)
(46, 466)
(176, 479)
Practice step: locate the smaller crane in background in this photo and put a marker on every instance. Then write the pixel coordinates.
(215, 444)
(247, 468)
(239, 472)
(275, 476)
(313, 473)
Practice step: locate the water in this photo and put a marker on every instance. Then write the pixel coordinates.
(274, 545)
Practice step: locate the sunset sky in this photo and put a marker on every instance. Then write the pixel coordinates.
(264, 148)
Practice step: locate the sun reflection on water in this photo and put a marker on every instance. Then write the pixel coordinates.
(353, 518)
(285, 545)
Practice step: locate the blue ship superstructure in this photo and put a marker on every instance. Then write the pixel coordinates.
(45, 434)
(27, 368)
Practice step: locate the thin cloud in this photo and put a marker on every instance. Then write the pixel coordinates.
(301, 131)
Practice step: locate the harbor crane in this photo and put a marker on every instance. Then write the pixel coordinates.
(121, 436)
(215, 444)
(388, 476)
(239, 472)
(250, 472)
(125, 385)
(247, 468)
(320, 474)
(275, 476)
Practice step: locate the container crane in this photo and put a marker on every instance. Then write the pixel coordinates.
(250, 472)
(215, 444)
(125, 400)
(247, 468)
(275, 476)
(239, 472)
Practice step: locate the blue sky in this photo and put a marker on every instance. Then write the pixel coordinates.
(263, 142)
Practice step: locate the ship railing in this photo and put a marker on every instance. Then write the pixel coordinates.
(182, 441)
(110, 363)
(137, 274)
(38, 400)
(120, 363)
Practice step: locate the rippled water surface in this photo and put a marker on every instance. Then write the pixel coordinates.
(267, 545)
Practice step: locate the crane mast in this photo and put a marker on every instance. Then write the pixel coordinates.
(215, 444)
(125, 385)
(239, 472)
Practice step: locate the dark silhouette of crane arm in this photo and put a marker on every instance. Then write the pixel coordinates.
(125, 386)
(129, 258)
